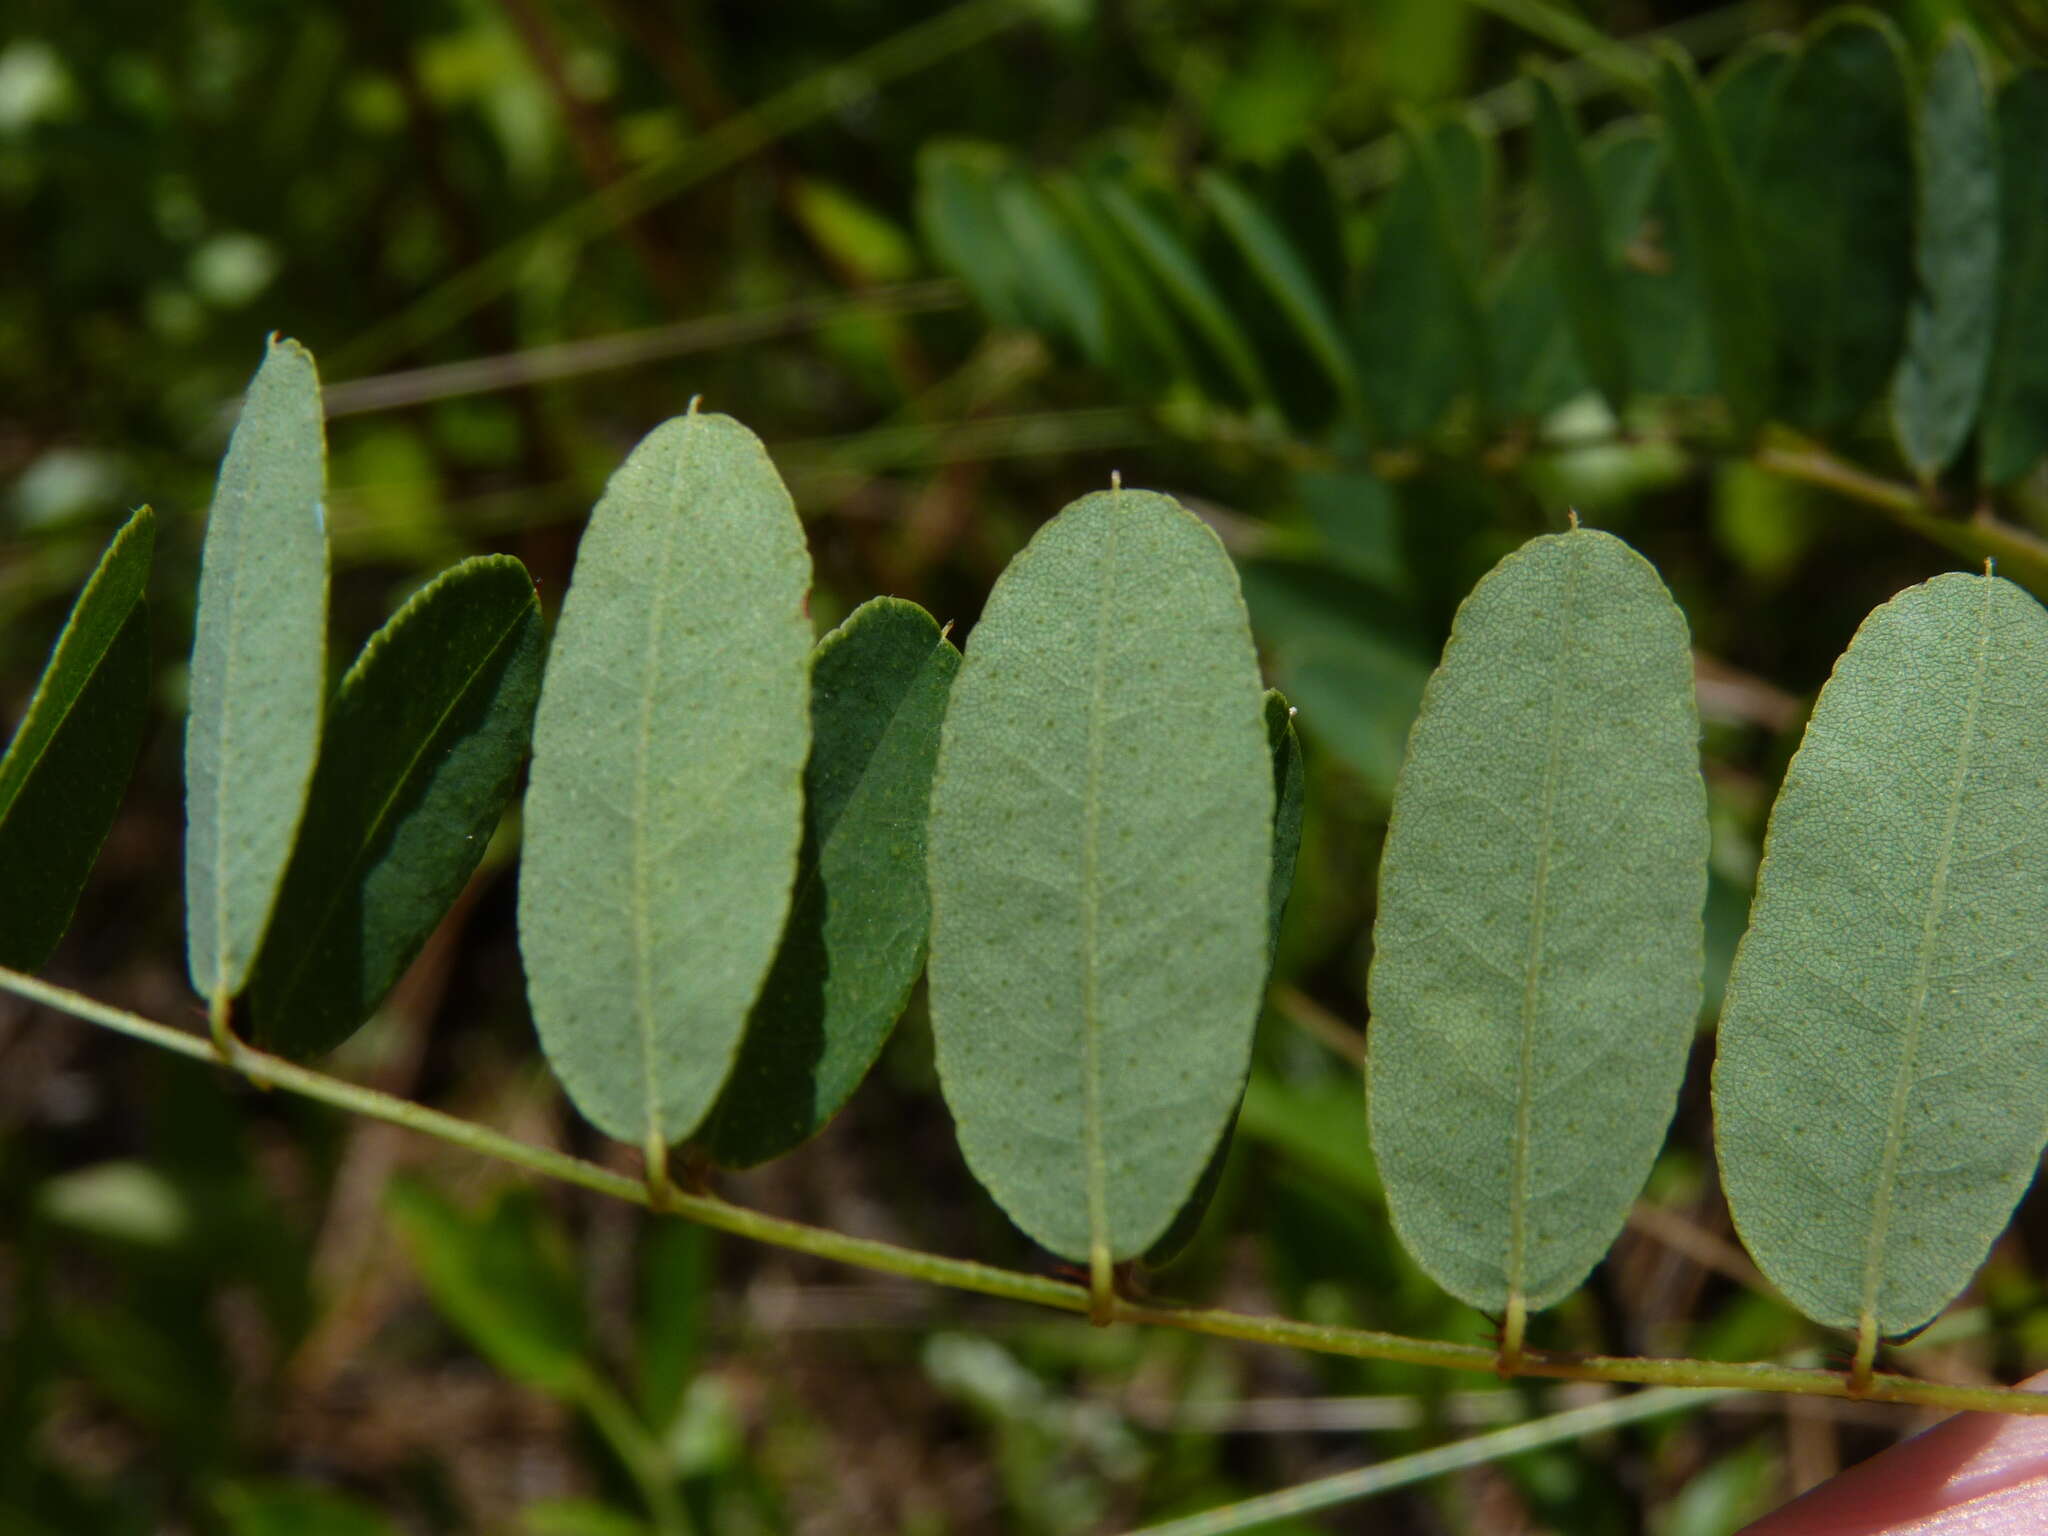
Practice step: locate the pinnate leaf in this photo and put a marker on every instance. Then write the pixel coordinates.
(1099, 946)
(258, 669)
(1880, 1095)
(420, 751)
(858, 921)
(1536, 970)
(1584, 271)
(62, 775)
(665, 805)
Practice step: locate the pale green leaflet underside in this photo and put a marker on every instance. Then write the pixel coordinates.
(1536, 971)
(1881, 1092)
(1100, 855)
(259, 683)
(666, 798)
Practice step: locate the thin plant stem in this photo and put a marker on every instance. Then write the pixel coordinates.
(644, 1460)
(1013, 1285)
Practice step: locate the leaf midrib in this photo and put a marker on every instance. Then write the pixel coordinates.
(1532, 965)
(1930, 923)
(1099, 1236)
(650, 677)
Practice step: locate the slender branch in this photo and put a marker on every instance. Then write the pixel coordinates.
(988, 1280)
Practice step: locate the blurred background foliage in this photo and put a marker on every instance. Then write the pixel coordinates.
(521, 232)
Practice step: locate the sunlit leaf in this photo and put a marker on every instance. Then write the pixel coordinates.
(1098, 947)
(258, 669)
(1834, 210)
(1580, 254)
(420, 751)
(2015, 432)
(1536, 971)
(1881, 1096)
(1718, 232)
(62, 776)
(855, 939)
(665, 805)
(1949, 329)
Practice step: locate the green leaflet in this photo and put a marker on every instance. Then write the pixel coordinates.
(665, 805)
(1098, 946)
(1718, 236)
(1289, 799)
(1743, 92)
(1417, 321)
(1584, 272)
(1059, 278)
(959, 218)
(1146, 345)
(295, 1509)
(259, 670)
(1274, 259)
(1880, 1096)
(1536, 971)
(2015, 432)
(1164, 253)
(1834, 207)
(422, 745)
(502, 1278)
(62, 776)
(855, 938)
(1953, 317)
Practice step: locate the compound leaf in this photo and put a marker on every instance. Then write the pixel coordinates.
(1099, 947)
(2015, 434)
(665, 806)
(858, 921)
(1949, 328)
(63, 773)
(1536, 971)
(1880, 1096)
(258, 669)
(1834, 188)
(420, 751)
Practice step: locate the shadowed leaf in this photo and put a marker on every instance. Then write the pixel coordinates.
(422, 745)
(1579, 250)
(858, 921)
(2015, 432)
(63, 774)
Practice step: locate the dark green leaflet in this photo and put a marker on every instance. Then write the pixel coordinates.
(258, 670)
(1718, 233)
(1880, 1096)
(665, 806)
(1949, 329)
(422, 745)
(62, 776)
(2015, 428)
(1536, 973)
(1834, 184)
(855, 939)
(1098, 948)
(1581, 265)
